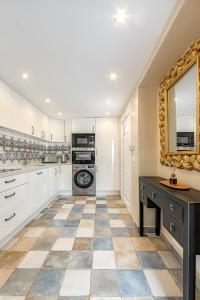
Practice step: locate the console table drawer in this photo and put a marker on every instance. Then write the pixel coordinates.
(174, 227)
(175, 210)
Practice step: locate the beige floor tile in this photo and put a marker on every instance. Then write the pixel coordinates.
(143, 244)
(101, 202)
(162, 283)
(23, 244)
(34, 232)
(61, 216)
(105, 298)
(113, 210)
(123, 211)
(117, 223)
(86, 223)
(91, 198)
(67, 205)
(12, 297)
(127, 260)
(51, 232)
(85, 232)
(80, 201)
(33, 260)
(123, 244)
(90, 206)
(11, 259)
(63, 244)
(89, 210)
(104, 260)
(159, 244)
(64, 210)
(4, 275)
(169, 260)
(137, 298)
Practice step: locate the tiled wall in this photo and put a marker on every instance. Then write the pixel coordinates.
(16, 147)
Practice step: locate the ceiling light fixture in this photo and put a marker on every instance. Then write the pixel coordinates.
(47, 100)
(60, 114)
(25, 76)
(113, 76)
(107, 113)
(121, 16)
(108, 101)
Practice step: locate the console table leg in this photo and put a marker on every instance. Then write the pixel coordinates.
(157, 220)
(141, 219)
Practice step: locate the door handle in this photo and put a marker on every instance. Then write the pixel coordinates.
(9, 218)
(9, 196)
(39, 173)
(9, 181)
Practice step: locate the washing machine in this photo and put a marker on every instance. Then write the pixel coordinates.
(84, 180)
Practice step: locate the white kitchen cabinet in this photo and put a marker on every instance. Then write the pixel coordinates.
(66, 179)
(57, 130)
(68, 131)
(83, 125)
(52, 181)
(5, 105)
(107, 155)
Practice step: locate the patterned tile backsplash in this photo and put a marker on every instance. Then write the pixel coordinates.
(17, 147)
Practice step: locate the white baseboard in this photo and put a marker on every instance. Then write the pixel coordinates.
(108, 193)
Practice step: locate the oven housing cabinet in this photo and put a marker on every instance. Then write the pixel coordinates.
(181, 211)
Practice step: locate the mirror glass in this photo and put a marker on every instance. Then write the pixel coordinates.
(182, 113)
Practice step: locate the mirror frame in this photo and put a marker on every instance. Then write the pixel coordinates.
(182, 159)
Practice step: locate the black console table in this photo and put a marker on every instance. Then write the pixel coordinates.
(181, 217)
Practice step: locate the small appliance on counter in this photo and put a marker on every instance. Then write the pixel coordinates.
(49, 158)
(65, 158)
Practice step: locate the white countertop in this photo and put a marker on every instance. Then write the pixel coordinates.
(28, 168)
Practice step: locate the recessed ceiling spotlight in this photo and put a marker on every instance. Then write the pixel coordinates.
(113, 76)
(25, 76)
(108, 101)
(60, 114)
(47, 100)
(107, 113)
(121, 16)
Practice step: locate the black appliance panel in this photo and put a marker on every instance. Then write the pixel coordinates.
(83, 140)
(83, 157)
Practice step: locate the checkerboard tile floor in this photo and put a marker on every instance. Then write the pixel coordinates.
(87, 247)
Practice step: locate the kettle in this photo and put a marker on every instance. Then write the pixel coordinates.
(64, 158)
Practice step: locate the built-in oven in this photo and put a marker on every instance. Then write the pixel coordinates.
(83, 140)
(80, 157)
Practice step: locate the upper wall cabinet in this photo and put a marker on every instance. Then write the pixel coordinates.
(83, 125)
(57, 130)
(68, 131)
(5, 105)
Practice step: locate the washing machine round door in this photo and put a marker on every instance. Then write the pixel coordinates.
(83, 179)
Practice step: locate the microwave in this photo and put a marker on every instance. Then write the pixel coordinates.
(83, 157)
(82, 140)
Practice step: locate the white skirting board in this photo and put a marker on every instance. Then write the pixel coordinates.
(107, 193)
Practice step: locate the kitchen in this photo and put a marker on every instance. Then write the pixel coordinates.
(97, 133)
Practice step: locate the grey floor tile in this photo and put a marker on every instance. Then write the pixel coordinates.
(48, 282)
(80, 260)
(119, 232)
(68, 232)
(151, 260)
(43, 244)
(104, 283)
(19, 283)
(88, 216)
(64, 223)
(102, 223)
(133, 283)
(74, 298)
(102, 232)
(101, 243)
(56, 259)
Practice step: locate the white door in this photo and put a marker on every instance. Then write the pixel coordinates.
(126, 179)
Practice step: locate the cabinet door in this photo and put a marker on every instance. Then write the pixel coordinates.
(57, 130)
(83, 125)
(107, 154)
(21, 113)
(5, 105)
(52, 182)
(66, 178)
(68, 131)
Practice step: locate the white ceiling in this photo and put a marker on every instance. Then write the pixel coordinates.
(69, 47)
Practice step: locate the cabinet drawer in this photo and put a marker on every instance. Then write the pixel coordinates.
(12, 198)
(11, 182)
(175, 210)
(173, 227)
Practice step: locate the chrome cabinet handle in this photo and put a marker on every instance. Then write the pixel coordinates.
(172, 227)
(56, 171)
(142, 186)
(9, 196)
(60, 169)
(9, 218)
(51, 137)
(33, 130)
(39, 173)
(152, 195)
(171, 207)
(9, 181)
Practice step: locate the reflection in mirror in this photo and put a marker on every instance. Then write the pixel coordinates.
(182, 113)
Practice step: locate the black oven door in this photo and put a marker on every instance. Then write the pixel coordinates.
(83, 140)
(83, 157)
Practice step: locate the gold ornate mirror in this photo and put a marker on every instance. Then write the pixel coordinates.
(180, 110)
